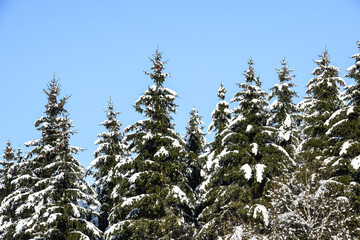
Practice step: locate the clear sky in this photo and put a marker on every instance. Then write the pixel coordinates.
(100, 49)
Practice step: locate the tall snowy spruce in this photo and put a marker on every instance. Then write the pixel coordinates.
(220, 116)
(323, 99)
(195, 142)
(53, 200)
(345, 131)
(284, 113)
(153, 198)
(6, 173)
(111, 150)
(234, 200)
(308, 203)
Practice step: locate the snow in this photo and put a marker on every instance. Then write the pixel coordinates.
(287, 121)
(261, 209)
(344, 148)
(238, 233)
(284, 135)
(53, 217)
(130, 200)
(355, 163)
(255, 148)
(334, 126)
(162, 152)
(247, 169)
(148, 136)
(180, 194)
(259, 168)
(334, 115)
(133, 177)
(350, 110)
(249, 128)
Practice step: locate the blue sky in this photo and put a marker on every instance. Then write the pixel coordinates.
(100, 49)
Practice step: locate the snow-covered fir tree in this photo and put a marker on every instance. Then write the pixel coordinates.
(53, 200)
(303, 206)
(6, 175)
(195, 142)
(16, 186)
(322, 107)
(344, 162)
(220, 116)
(323, 99)
(153, 197)
(284, 112)
(111, 150)
(235, 192)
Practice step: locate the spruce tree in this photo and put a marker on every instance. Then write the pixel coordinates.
(153, 197)
(220, 116)
(111, 150)
(323, 99)
(344, 164)
(235, 194)
(284, 112)
(195, 142)
(6, 175)
(53, 200)
(304, 206)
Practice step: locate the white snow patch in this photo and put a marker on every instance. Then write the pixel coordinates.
(355, 163)
(259, 172)
(350, 110)
(130, 200)
(287, 121)
(180, 194)
(247, 169)
(249, 128)
(162, 152)
(263, 211)
(238, 233)
(344, 148)
(255, 148)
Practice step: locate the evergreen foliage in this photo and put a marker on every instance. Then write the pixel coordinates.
(6, 175)
(54, 200)
(220, 116)
(111, 150)
(323, 99)
(303, 206)
(194, 145)
(284, 112)
(235, 193)
(279, 171)
(153, 197)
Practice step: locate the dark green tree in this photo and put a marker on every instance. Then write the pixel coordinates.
(322, 100)
(6, 174)
(194, 145)
(153, 198)
(111, 150)
(53, 200)
(284, 113)
(220, 116)
(235, 193)
(344, 163)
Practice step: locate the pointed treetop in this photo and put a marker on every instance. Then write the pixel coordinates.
(8, 152)
(284, 72)
(250, 74)
(157, 75)
(354, 70)
(221, 92)
(324, 61)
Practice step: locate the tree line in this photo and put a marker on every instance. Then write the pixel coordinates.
(272, 171)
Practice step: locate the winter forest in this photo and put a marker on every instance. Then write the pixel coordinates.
(274, 169)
